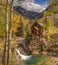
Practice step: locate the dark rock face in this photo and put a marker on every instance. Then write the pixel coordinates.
(31, 14)
(33, 44)
(37, 29)
(28, 14)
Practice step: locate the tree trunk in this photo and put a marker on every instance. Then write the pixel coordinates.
(6, 36)
(10, 32)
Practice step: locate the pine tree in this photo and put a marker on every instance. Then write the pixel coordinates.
(21, 28)
(28, 29)
(47, 26)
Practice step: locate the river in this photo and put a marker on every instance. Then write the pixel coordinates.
(36, 60)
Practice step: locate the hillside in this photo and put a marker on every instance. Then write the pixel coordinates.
(31, 36)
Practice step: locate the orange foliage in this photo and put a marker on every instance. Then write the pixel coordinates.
(16, 21)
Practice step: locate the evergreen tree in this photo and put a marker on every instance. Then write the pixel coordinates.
(28, 29)
(47, 26)
(53, 7)
(21, 28)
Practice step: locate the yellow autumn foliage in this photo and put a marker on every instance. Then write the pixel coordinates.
(16, 21)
